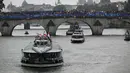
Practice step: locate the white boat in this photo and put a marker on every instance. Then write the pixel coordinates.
(72, 29)
(42, 53)
(77, 37)
(69, 32)
(26, 32)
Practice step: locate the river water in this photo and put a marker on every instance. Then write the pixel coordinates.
(98, 54)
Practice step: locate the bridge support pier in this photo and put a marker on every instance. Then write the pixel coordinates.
(27, 26)
(6, 32)
(97, 30)
(52, 30)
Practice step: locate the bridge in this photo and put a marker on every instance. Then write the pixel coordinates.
(95, 20)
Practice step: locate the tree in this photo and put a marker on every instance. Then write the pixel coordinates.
(59, 8)
(1, 5)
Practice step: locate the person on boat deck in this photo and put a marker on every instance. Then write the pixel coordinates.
(47, 43)
(49, 36)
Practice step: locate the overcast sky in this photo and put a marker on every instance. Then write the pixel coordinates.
(52, 2)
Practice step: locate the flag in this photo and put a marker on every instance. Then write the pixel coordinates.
(40, 35)
(45, 35)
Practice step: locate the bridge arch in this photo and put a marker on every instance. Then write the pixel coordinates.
(72, 21)
(7, 31)
(32, 29)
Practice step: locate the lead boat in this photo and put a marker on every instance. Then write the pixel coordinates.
(43, 52)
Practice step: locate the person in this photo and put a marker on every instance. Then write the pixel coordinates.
(49, 36)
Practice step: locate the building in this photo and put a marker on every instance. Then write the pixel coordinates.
(90, 2)
(81, 2)
(70, 7)
(104, 2)
(58, 3)
(13, 8)
(29, 7)
(120, 5)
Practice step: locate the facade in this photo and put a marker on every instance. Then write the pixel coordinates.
(70, 7)
(81, 2)
(90, 2)
(104, 2)
(47, 7)
(29, 7)
(58, 3)
(120, 6)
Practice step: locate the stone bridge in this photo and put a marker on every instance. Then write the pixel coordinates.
(96, 24)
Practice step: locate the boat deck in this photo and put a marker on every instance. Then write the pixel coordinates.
(55, 48)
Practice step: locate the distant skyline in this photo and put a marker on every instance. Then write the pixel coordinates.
(52, 2)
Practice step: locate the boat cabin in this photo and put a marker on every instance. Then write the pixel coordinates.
(42, 43)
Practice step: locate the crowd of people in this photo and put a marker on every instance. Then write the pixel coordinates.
(65, 14)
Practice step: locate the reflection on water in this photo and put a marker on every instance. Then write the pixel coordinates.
(104, 54)
(38, 70)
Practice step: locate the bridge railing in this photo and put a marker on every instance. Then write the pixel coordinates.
(61, 14)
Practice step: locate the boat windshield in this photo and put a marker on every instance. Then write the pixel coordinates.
(41, 42)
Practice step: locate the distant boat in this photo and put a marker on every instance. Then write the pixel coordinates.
(72, 29)
(77, 36)
(70, 32)
(26, 32)
(127, 35)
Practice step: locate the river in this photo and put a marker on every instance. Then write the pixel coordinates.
(98, 54)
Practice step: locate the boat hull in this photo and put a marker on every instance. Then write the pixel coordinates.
(127, 38)
(77, 41)
(48, 59)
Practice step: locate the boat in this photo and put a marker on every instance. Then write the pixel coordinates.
(78, 30)
(42, 52)
(26, 32)
(77, 37)
(73, 28)
(70, 32)
(127, 36)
